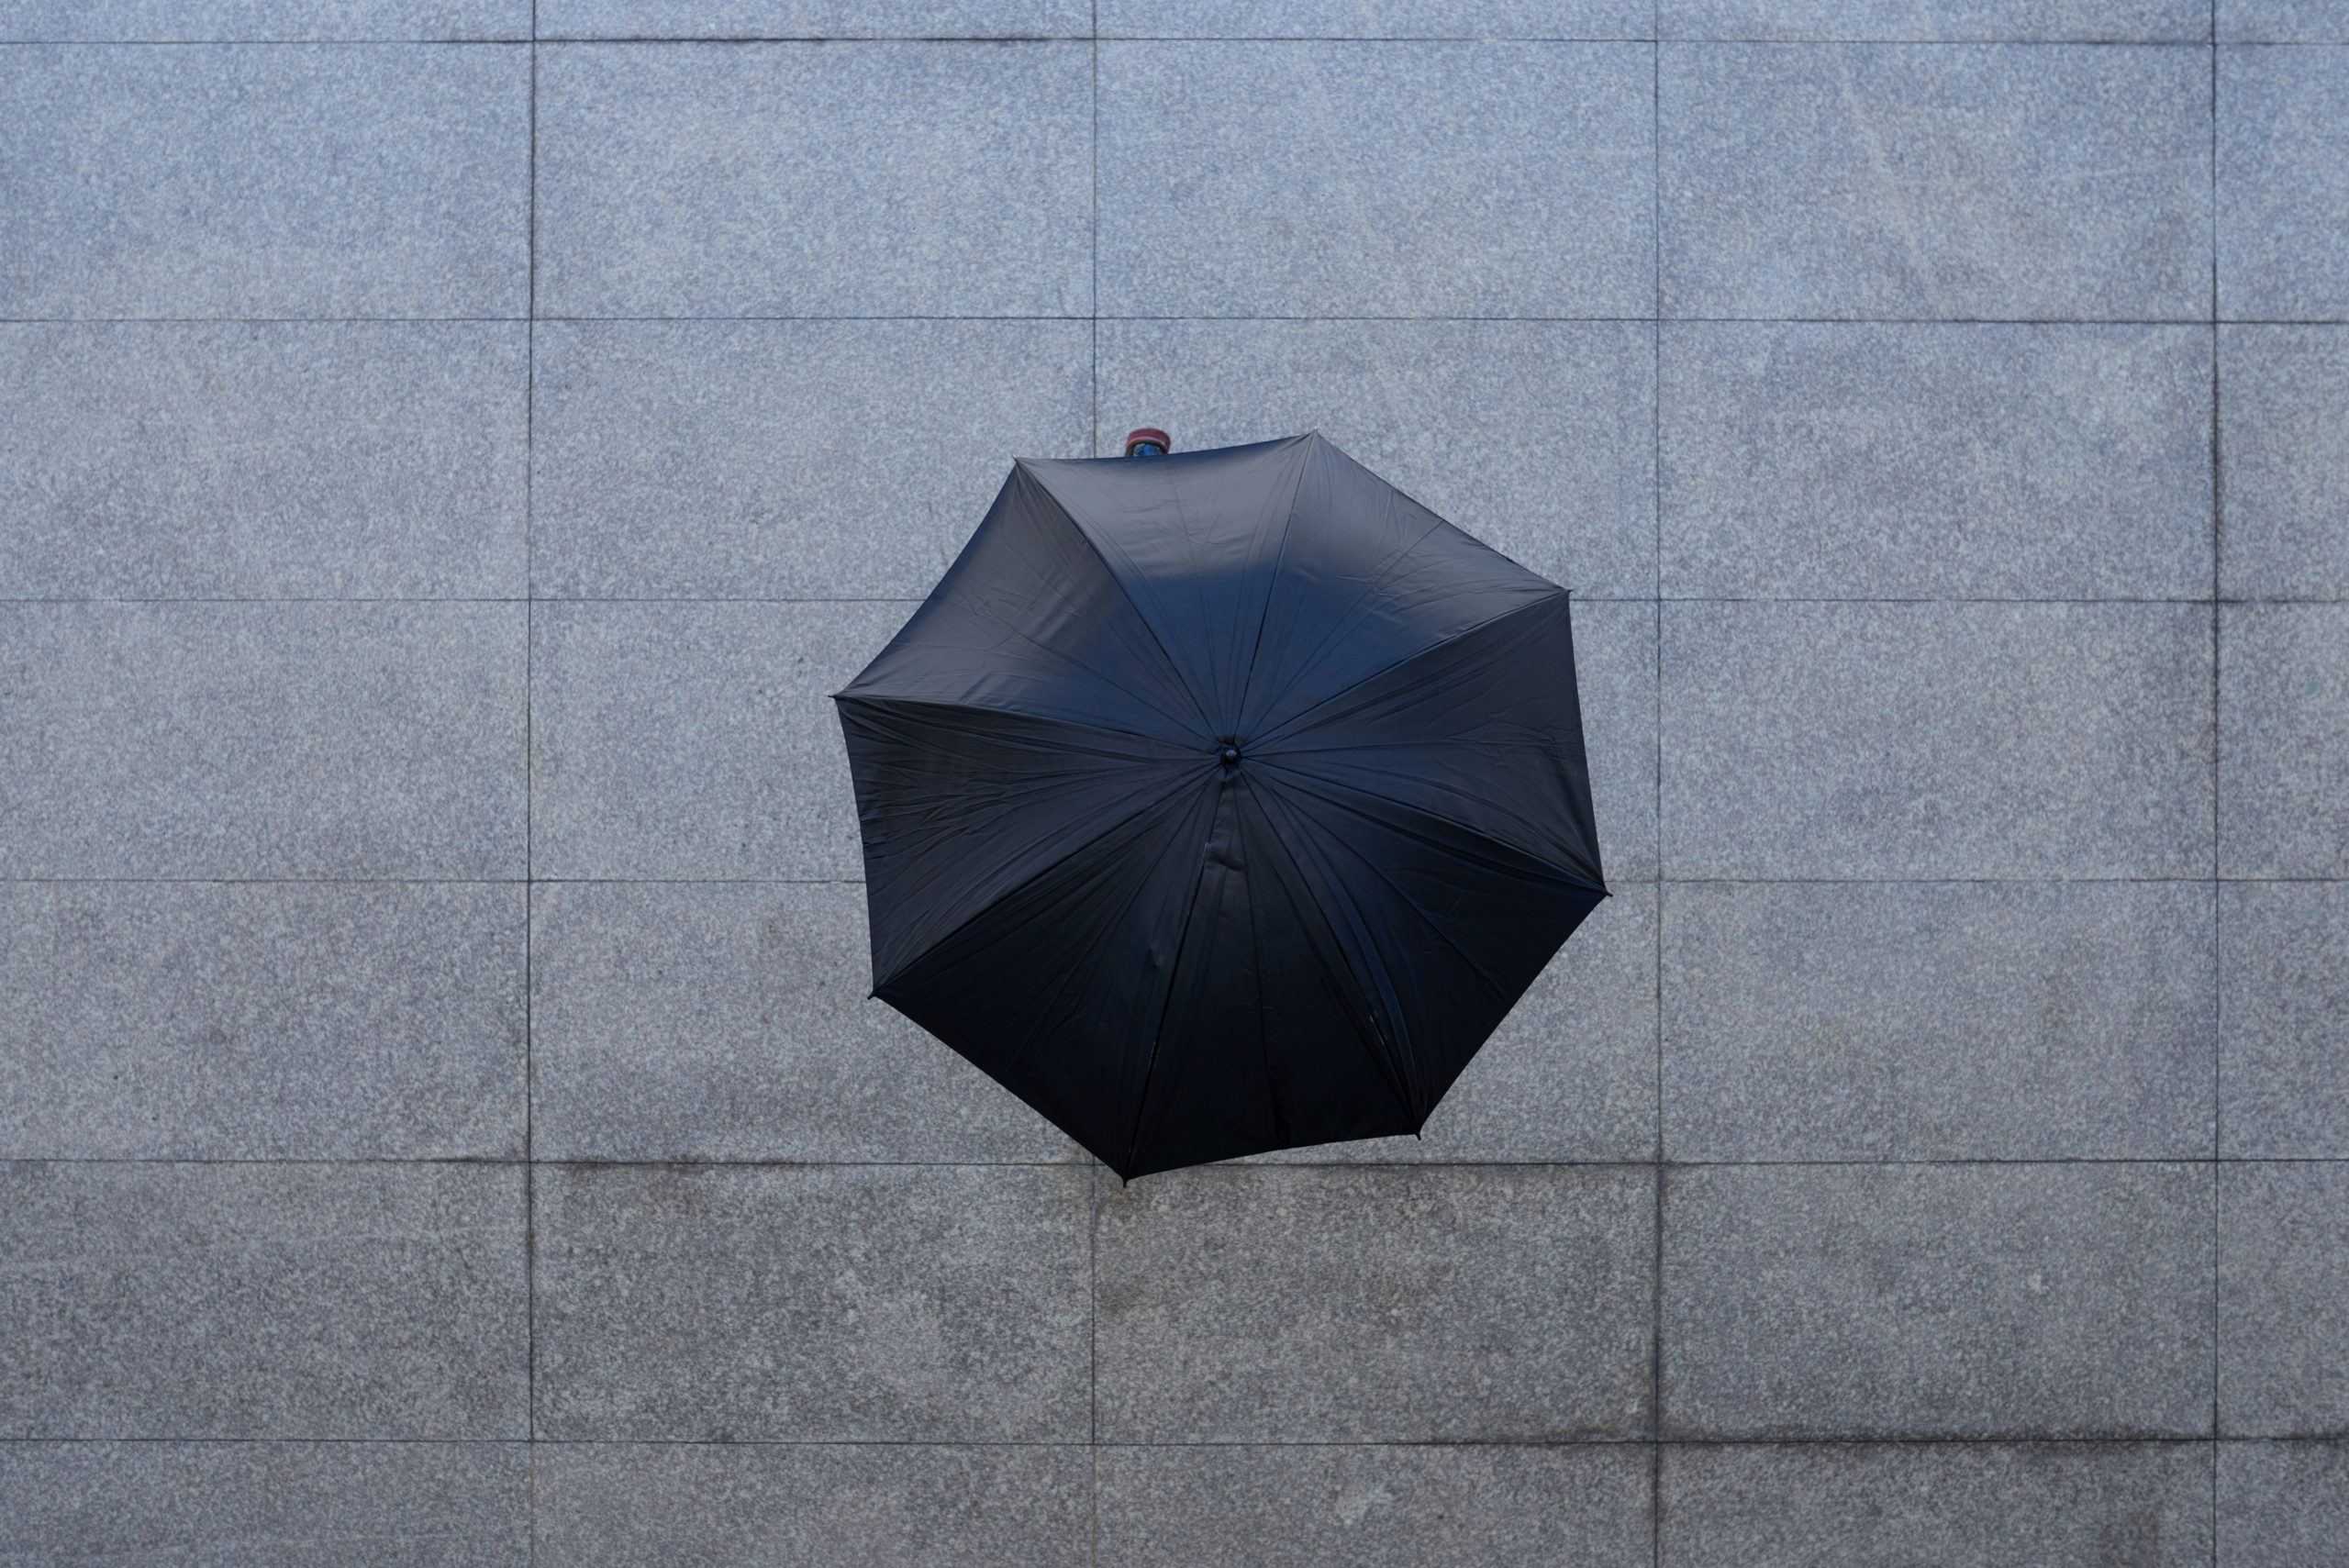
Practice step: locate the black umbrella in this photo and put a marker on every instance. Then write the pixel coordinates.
(1221, 802)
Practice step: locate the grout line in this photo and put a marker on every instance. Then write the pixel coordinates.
(1019, 317)
(974, 39)
(1655, 477)
(529, 841)
(2195, 600)
(2245, 881)
(1093, 1183)
(1894, 1439)
(1622, 1165)
(2218, 993)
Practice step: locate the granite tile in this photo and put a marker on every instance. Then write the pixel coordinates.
(1379, 18)
(1350, 179)
(1952, 1504)
(1891, 460)
(1329, 1305)
(2284, 740)
(261, 1300)
(1937, 1301)
(2284, 1019)
(908, 1504)
(1386, 1506)
(2282, 1505)
(264, 1505)
(1891, 740)
(2283, 183)
(814, 19)
(184, 21)
(2282, 21)
(1949, 182)
(697, 740)
(858, 179)
(235, 460)
(1538, 437)
(260, 1020)
(926, 1303)
(380, 180)
(785, 458)
(1571, 1076)
(1938, 1020)
(2283, 1299)
(2284, 411)
(261, 740)
(733, 1022)
(1944, 21)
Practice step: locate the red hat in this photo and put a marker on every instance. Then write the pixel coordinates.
(1165, 443)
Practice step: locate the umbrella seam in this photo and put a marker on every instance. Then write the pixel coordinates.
(1561, 872)
(1206, 725)
(1280, 559)
(1287, 723)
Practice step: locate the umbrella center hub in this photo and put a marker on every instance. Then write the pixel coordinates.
(1231, 754)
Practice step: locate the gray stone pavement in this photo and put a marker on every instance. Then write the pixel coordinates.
(448, 448)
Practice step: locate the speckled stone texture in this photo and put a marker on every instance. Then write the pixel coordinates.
(450, 449)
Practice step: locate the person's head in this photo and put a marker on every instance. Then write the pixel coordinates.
(1148, 442)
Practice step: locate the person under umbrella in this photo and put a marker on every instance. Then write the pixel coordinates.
(1223, 802)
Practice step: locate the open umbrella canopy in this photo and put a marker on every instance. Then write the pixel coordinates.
(1222, 802)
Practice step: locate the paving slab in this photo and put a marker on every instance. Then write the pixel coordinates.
(1379, 19)
(2281, 1505)
(1937, 181)
(260, 1020)
(1336, 1305)
(878, 1303)
(265, 1504)
(804, 179)
(1570, 1074)
(698, 741)
(917, 1505)
(814, 19)
(1936, 740)
(1938, 1020)
(785, 458)
(207, 21)
(684, 1021)
(2283, 1299)
(314, 1301)
(330, 180)
(1937, 1301)
(2282, 21)
(1952, 1504)
(1944, 459)
(1939, 21)
(1384, 1505)
(249, 460)
(1536, 436)
(2284, 408)
(1252, 179)
(2284, 740)
(2284, 1019)
(263, 739)
(2283, 182)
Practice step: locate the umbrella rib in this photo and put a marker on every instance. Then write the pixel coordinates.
(1152, 803)
(1165, 1005)
(1417, 908)
(1290, 723)
(1319, 788)
(1205, 724)
(1385, 1048)
(1280, 557)
(884, 699)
